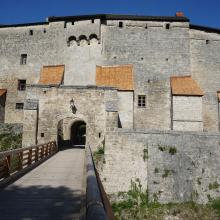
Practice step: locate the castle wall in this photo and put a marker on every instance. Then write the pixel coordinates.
(156, 54)
(54, 106)
(173, 166)
(187, 113)
(205, 68)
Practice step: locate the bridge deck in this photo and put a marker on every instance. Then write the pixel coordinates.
(53, 190)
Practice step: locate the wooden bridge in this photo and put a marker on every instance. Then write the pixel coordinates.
(41, 182)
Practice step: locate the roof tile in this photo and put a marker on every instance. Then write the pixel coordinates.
(185, 85)
(3, 92)
(52, 75)
(115, 76)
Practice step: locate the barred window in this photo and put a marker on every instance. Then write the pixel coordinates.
(142, 101)
(23, 59)
(21, 84)
(19, 106)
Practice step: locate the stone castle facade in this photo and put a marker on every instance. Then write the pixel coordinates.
(107, 74)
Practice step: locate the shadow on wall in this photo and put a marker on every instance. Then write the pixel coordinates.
(39, 202)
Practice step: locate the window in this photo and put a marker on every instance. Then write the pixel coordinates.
(142, 101)
(92, 21)
(45, 31)
(42, 135)
(31, 32)
(21, 84)
(23, 59)
(167, 26)
(120, 24)
(19, 106)
(207, 41)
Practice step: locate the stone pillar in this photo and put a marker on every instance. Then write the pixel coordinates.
(30, 125)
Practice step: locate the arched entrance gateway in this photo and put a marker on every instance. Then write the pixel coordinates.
(71, 133)
(78, 133)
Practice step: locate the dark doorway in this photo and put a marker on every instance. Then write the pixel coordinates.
(78, 133)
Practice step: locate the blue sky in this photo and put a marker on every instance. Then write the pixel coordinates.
(202, 12)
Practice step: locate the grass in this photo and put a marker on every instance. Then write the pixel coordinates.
(98, 157)
(214, 185)
(169, 149)
(167, 173)
(130, 210)
(134, 205)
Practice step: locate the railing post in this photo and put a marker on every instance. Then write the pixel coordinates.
(20, 165)
(42, 152)
(47, 149)
(36, 154)
(30, 157)
(7, 163)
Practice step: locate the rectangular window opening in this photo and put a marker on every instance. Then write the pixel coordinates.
(167, 26)
(142, 101)
(23, 59)
(21, 84)
(31, 32)
(19, 106)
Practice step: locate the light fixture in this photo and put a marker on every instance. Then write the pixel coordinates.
(72, 106)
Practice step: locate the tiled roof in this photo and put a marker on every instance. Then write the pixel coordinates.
(52, 75)
(2, 92)
(185, 85)
(115, 76)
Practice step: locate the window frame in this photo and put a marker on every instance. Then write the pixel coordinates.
(23, 60)
(17, 104)
(141, 101)
(22, 84)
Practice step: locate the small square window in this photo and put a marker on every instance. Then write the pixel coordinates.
(120, 24)
(21, 84)
(141, 101)
(19, 106)
(23, 59)
(31, 32)
(42, 135)
(167, 26)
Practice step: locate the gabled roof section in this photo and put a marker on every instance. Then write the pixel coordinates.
(120, 77)
(204, 28)
(119, 17)
(52, 75)
(185, 86)
(3, 92)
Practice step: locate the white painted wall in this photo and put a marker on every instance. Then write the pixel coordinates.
(126, 110)
(187, 113)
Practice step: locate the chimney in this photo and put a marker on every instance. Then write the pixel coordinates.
(180, 14)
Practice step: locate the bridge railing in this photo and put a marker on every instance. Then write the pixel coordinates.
(19, 161)
(97, 203)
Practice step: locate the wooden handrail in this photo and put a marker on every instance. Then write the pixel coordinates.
(14, 161)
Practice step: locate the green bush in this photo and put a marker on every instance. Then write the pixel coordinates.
(10, 141)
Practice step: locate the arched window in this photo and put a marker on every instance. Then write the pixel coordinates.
(83, 40)
(92, 36)
(71, 41)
